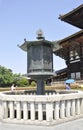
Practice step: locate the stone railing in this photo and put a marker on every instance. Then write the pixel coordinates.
(41, 109)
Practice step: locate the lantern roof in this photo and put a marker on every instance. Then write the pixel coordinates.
(27, 44)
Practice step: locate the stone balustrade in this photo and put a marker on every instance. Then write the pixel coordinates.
(41, 109)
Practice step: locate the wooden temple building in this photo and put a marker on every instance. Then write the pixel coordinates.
(71, 48)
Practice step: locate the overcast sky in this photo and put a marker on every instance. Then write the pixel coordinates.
(21, 19)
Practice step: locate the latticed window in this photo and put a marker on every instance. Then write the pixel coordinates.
(71, 55)
(74, 55)
(76, 75)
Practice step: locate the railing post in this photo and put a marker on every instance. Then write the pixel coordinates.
(40, 112)
(49, 111)
(18, 111)
(73, 107)
(25, 111)
(56, 110)
(5, 105)
(68, 105)
(62, 109)
(11, 105)
(78, 107)
(32, 111)
(81, 107)
(1, 110)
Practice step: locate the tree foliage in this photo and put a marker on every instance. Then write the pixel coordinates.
(23, 82)
(7, 78)
(33, 83)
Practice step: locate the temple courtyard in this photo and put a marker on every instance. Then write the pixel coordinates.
(71, 125)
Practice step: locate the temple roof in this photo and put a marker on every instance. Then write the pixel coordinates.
(71, 42)
(76, 37)
(74, 17)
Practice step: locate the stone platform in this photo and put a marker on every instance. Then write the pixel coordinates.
(71, 125)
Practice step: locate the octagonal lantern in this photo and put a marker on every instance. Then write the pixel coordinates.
(39, 60)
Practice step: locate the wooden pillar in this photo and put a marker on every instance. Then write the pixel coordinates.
(81, 60)
(68, 62)
(81, 69)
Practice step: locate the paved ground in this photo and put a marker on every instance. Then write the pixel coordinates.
(72, 125)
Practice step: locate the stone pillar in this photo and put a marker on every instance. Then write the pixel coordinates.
(40, 87)
(56, 111)
(11, 105)
(18, 111)
(73, 107)
(81, 107)
(50, 93)
(68, 105)
(5, 108)
(25, 111)
(32, 111)
(1, 110)
(62, 109)
(46, 93)
(40, 112)
(78, 107)
(49, 111)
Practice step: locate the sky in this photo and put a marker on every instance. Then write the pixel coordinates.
(21, 19)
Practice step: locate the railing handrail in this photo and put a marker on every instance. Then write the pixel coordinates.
(42, 98)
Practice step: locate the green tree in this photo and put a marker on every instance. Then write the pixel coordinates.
(22, 82)
(6, 76)
(33, 83)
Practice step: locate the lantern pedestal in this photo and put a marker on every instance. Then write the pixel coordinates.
(40, 87)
